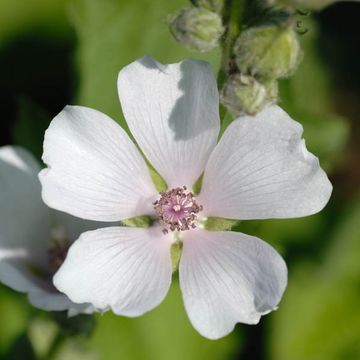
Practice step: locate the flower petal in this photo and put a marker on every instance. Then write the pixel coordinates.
(24, 218)
(229, 277)
(261, 169)
(127, 269)
(94, 171)
(58, 302)
(173, 113)
(15, 274)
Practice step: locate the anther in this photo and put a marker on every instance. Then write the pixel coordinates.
(177, 209)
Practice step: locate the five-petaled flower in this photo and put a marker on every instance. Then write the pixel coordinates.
(259, 169)
(33, 239)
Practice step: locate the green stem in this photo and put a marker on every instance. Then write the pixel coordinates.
(232, 19)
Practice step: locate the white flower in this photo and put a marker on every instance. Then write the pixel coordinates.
(33, 238)
(260, 169)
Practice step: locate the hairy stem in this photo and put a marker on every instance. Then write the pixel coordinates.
(232, 20)
(232, 16)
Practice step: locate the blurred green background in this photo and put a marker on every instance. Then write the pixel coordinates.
(54, 53)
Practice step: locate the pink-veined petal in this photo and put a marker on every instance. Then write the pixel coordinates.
(261, 169)
(94, 170)
(126, 269)
(229, 277)
(173, 114)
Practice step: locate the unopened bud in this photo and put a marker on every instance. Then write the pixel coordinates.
(306, 4)
(243, 94)
(212, 5)
(269, 52)
(272, 90)
(197, 28)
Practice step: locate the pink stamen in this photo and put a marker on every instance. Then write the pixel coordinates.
(177, 209)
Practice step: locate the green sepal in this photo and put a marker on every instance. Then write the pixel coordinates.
(197, 28)
(212, 5)
(268, 52)
(142, 221)
(197, 186)
(243, 94)
(175, 252)
(158, 181)
(219, 224)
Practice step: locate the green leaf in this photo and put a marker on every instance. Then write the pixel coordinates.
(21, 349)
(13, 314)
(308, 96)
(16, 16)
(112, 34)
(319, 317)
(326, 136)
(284, 232)
(164, 333)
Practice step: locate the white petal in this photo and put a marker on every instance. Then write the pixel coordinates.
(229, 277)
(173, 113)
(24, 218)
(127, 269)
(25, 223)
(261, 169)
(58, 302)
(16, 275)
(41, 293)
(94, 171)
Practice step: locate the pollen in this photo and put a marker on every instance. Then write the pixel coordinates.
(177, 209)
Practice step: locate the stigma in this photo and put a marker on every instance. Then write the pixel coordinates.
(177, 210)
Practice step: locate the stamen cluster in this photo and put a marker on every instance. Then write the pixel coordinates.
(177, 209)
(57, 253)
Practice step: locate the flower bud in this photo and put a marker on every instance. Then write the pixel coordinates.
(307, 4)
(243, 94)
(268, 52)
(197, 28)
(272, 90)
(212, 5)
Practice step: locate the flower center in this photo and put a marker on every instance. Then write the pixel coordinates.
(177, 209)
(57, 253)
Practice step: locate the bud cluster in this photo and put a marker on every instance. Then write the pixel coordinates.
(254, 57)
(262, 54)
(244, 94)
(199, 27)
